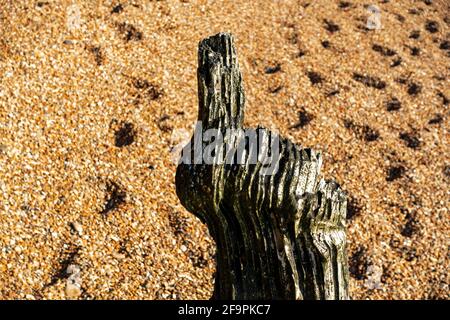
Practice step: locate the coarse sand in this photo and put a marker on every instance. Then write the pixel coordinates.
(95, 94)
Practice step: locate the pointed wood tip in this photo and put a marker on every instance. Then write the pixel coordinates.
(217, 48)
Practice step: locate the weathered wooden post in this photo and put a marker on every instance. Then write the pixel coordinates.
(280, 233)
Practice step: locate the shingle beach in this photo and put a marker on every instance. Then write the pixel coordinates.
(95, 94)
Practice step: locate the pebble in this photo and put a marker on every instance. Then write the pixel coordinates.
(73, 290)
(373, 275)
(78, 227)
(73, 282)
(118, 256)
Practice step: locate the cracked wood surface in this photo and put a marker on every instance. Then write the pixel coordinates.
(279, 236)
